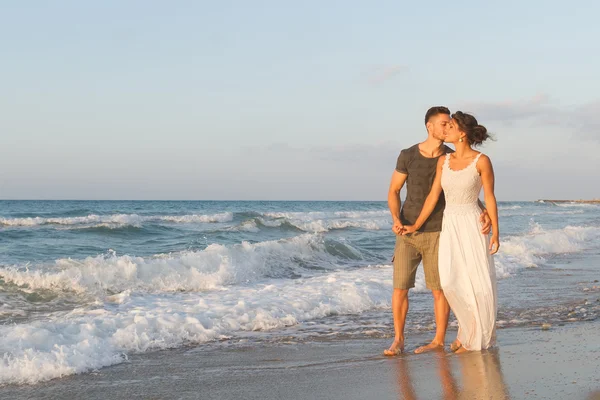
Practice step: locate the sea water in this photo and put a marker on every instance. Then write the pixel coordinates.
(84, 284)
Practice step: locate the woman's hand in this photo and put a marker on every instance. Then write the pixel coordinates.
(409, 229)
(494, 244)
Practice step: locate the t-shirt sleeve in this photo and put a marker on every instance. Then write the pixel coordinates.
(402, 163)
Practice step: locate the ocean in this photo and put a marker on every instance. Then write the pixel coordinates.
(86, 284)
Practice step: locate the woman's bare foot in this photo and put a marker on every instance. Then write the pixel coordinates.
(396, 348)
(461, 350)
(433, 346)
(455, 345)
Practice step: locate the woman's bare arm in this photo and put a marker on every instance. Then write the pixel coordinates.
(484, 165)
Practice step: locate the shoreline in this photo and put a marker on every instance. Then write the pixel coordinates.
(593, 201)
(529, 362)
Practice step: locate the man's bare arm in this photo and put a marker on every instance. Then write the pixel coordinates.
(394, 202)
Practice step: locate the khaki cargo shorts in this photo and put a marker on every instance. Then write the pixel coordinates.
(410, 250)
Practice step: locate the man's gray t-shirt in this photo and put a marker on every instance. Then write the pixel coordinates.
(421, 173)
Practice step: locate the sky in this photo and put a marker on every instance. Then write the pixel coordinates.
(282, 100)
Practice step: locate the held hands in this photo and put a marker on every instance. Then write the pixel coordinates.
(409, 229)
(397, 228)
(400, 229)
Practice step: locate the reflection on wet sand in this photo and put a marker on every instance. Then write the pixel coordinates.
(476, 375)
(406, 388)
(594, 396)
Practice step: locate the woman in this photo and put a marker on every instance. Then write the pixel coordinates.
(466, 266)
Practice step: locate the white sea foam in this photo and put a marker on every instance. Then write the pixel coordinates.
(117, 220)
(537, 212)
(584, 205)
(515, 207)
(141, 307)
(315, 222)
(212, 268)
(532, 249)
(321, 226)
(328, 225)
(193, 218)
(219, 266)
(314, 215)
(327, 221)
(246, 226)
(86, 339)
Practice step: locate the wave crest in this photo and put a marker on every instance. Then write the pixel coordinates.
(212, 268)
(116, 220)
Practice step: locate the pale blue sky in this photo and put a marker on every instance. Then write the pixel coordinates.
(289, 100)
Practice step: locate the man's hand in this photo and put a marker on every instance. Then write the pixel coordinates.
(397, 228)
(486, 222)
(409, 229)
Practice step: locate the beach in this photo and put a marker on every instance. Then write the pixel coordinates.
(220, 200)
(562, 362)
(223, 300)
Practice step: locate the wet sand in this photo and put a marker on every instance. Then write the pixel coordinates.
(529, 363)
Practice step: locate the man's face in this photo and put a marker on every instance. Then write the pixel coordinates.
(438, 126)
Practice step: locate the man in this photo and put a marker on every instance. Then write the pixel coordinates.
(416, 166)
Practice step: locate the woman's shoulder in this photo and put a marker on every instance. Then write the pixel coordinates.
(482, 157)
(483, 161)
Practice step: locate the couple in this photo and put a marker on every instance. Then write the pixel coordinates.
(448, 232)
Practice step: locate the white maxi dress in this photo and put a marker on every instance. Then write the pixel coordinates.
(467, 272)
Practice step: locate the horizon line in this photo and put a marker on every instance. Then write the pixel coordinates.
(248, 200)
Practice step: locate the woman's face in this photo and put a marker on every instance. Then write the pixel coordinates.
(452, 133)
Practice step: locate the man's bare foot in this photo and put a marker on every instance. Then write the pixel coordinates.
(433, 346)
(396, 348)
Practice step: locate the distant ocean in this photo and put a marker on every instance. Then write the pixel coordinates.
(84, 284)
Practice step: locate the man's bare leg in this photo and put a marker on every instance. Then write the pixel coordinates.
(399, 310)
(442, 313)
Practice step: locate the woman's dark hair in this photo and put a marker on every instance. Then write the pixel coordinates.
(476, 134)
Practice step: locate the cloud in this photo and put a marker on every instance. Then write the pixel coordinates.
(513, 110)
(381, 74)
(582, 120)
(585, 119)
(374, 155)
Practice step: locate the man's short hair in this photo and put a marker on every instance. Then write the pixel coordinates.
(433, 111)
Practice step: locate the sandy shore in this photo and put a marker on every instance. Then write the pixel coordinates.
(560, 363)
